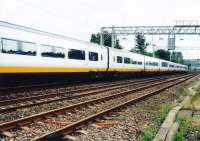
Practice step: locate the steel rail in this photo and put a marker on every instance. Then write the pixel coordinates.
(9, 109)
(54, 84)
(83, 122)
(19, 100)
(30, 119)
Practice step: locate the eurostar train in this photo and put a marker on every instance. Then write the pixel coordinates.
(30, 56)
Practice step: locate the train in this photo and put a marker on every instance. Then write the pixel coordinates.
(31, 56)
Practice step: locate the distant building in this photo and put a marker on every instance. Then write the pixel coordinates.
(194, 64)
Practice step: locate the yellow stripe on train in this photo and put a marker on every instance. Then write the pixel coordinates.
(46, 69)
(16, 69)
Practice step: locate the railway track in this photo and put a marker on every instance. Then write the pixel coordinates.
(62, 89)
(14, 89)
(67, 99)
(6, 106)
(25, 92)
(17, 111)
(69, 118)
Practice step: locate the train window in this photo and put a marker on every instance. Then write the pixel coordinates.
(28, 48)
(93, 56)
(113, 58)
(119, 59)
(52, 51)
(127, 60)
(9, 46)
(76, 54)
(18, 47)
(147, 63)
(155, 64)
(164, 64)
(134, 62)
(139, 63)
(150, 64)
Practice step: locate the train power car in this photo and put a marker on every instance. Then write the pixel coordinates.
(30, 56)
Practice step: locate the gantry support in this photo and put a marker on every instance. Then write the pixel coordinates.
(180, 28)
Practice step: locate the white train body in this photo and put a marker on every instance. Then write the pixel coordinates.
(36, 56)
(130, 62)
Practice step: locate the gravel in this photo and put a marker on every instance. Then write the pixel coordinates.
(46, 127)
(55, 89)
(133, 119)
(20, 113)
(128, 128)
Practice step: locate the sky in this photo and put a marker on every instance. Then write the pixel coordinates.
(81, 18)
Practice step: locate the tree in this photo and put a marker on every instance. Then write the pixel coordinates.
(148, 54)
(141, 44)
(162, 54)
(95, 38)
(177, 57)
(117, 45)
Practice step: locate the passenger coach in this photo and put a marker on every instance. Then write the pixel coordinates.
(30, 56)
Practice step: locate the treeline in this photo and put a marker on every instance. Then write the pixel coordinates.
(140, 47)
(95, 38)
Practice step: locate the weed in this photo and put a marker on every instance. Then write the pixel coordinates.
(150, 130)
(182, 93)
(183, 126)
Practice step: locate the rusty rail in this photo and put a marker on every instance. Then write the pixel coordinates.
(19, 100)
(5, 110)
(30, 119)
(83, 122)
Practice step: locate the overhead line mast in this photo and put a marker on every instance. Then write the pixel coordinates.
(180, 28)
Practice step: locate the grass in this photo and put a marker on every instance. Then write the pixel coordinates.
(184, 124)
(182, 93)
(195, 101)
(150, 130)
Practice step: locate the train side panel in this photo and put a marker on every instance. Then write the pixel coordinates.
(17, 68)
(125, 63)
(151, 65)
